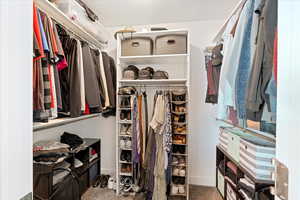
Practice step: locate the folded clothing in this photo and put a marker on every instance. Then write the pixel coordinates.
(71, 139)
(50, 145)
(49, 157)
(230, 174)
(232, 167)
(222, 166)
(61, 172)
(247, 186)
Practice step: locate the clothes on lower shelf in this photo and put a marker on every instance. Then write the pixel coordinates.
(70, 78)
(247, 88)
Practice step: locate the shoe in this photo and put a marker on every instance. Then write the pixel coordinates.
(182, 172)
(181, 189)
(174, 160)
(181, 162)
(128, 144)
(179, 95)
(122, 144)
(175, 190)
(176, 171)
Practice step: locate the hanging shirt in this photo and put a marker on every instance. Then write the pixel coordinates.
(37, 32)
(43, 35)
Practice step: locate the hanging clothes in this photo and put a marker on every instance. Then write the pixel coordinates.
(263, 63)
(92, 90)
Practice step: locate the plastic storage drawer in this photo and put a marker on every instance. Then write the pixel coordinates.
(221, 183)
(171, 44)
(256, 156)
(230, 193)
(234, 146)
(137, 46)
(223, 139)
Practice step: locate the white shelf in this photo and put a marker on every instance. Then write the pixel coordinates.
(158, 33)
(154, 59)
(154, 82)
(37, 126)
(52, 11)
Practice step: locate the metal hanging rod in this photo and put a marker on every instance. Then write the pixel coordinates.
(254, 133)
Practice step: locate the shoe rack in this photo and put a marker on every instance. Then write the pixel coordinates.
(125, 164)
(179, 161)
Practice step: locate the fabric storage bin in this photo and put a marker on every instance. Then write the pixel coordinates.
(94, 173)
(234, 146)
(230, 193)
(136, 46)
(221, 183)
(223, 139)
(171, 44)
(256, 157)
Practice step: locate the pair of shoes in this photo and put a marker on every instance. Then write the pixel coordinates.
(125, 102)
(178, 118)
(126, 168)
(126, 183)
(179, 108)
(179, 129)
(126, 129)
(125, 156)
(179, 171)
(177, 189)
(176, 180)
(178, 161)
(179, 95)
(179, 139)
(178, 149)
(125, 115)
(125, 143)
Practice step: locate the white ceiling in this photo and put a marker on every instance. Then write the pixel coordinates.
(135, 12)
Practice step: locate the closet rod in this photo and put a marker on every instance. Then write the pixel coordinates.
(54, 13)
(254, 133)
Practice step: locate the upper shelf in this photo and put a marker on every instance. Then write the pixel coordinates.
(158, 33)
(53, 12)
(154, 59)
(155, 81)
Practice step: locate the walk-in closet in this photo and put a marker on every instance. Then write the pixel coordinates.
(149, 100)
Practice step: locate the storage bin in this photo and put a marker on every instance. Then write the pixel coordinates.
(137, 46)
(256, 157)
(94, 173)
(83, 183)
(171, 44)
(230, 193)
(221, 183)
(223, 139)
(234, 146)
(230, 142)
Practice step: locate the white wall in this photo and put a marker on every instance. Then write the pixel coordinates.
(288, 118)
(204, 127)
(15, 99)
